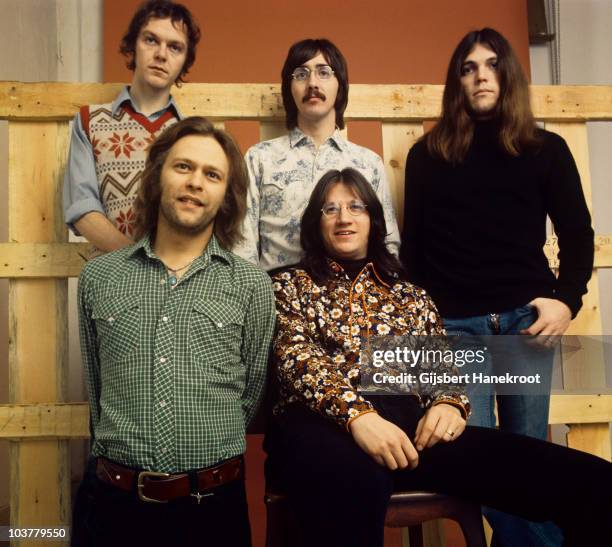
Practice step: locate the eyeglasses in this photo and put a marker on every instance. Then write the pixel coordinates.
(355, 208)
(322, 72)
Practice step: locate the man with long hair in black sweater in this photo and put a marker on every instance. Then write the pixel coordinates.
(479, 188)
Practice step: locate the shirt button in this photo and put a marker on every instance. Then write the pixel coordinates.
(162, 359)
(219, 325)
(164, 449)
(165, 319)
(111, 319)
(162, 281)
(162, 404)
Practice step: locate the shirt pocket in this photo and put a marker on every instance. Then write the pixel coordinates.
(282, 195)
(215, 337)
(272, 199)
(117, 322)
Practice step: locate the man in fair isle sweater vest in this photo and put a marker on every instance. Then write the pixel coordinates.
(109, 142)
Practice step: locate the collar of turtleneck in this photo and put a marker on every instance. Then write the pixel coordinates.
(487, 129)
(352, 267)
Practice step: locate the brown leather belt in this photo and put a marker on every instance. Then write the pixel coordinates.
(163, 487)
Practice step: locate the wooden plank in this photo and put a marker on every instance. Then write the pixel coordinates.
(580, 409)
(70, 420)
(40, 483)
(588, 321)
(591, 438)
(60, 101)
(585, 369)
(603, 251)
(35, 260)
(44, 421)
(433, 533)
(31, 260)
(271, 130)
(397, 139)
(39, 470)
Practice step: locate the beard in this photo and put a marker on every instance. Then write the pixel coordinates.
(197, 226)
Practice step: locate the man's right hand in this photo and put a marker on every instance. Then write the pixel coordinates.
(386, 443)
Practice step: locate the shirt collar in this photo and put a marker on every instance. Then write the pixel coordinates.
(125, 96)
(367, 272)
(213, 249)
(298, 137)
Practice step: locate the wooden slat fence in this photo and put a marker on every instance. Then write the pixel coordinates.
(38, 260)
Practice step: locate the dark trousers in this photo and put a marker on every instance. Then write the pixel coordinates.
(340, 494)
(105, 516)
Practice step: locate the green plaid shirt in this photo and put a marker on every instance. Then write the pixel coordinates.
(173, 375)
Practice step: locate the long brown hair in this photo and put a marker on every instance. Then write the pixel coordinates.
(452, 136)
(229, 218)
(314, 256)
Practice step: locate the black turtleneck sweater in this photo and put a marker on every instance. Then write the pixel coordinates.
(473, 233)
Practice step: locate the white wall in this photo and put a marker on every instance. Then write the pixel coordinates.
(585, 47)
(585, 43)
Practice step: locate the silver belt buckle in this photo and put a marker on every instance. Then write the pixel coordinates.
(141, 477)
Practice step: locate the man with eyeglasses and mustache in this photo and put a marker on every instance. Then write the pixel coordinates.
(284, 171)
(109, 142)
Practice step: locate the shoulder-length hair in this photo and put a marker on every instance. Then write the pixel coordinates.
(300, 53)
(229, 218)
(452, 136)
(315, 256)
(161, 9)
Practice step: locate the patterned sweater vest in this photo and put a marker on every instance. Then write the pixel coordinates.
(120, 145)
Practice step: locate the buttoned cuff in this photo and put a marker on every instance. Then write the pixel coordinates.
(459, 402)
(348, 422)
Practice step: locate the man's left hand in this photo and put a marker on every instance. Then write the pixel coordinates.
(441, 422)
(553, 317)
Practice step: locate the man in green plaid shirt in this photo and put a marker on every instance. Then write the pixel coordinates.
(175, 332)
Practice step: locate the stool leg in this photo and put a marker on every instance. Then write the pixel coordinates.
(415, 535)
(473, 531)
(274, 525)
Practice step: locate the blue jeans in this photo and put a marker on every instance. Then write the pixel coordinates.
(523, 414)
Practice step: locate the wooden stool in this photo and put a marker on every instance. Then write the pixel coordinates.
(406, 509)
(411, 509)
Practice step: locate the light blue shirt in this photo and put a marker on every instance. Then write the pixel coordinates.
(283, 172)
(81, 188)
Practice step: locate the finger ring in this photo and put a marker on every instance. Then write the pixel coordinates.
(451, 432)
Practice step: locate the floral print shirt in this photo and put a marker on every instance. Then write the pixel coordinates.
(321, 328)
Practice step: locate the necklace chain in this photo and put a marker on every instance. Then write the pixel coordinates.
(176, 270)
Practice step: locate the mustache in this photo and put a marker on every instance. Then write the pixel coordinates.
(313, 93)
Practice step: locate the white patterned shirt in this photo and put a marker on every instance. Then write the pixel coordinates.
(283, 172)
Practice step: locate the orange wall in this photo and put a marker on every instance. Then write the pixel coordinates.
(388, 41)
